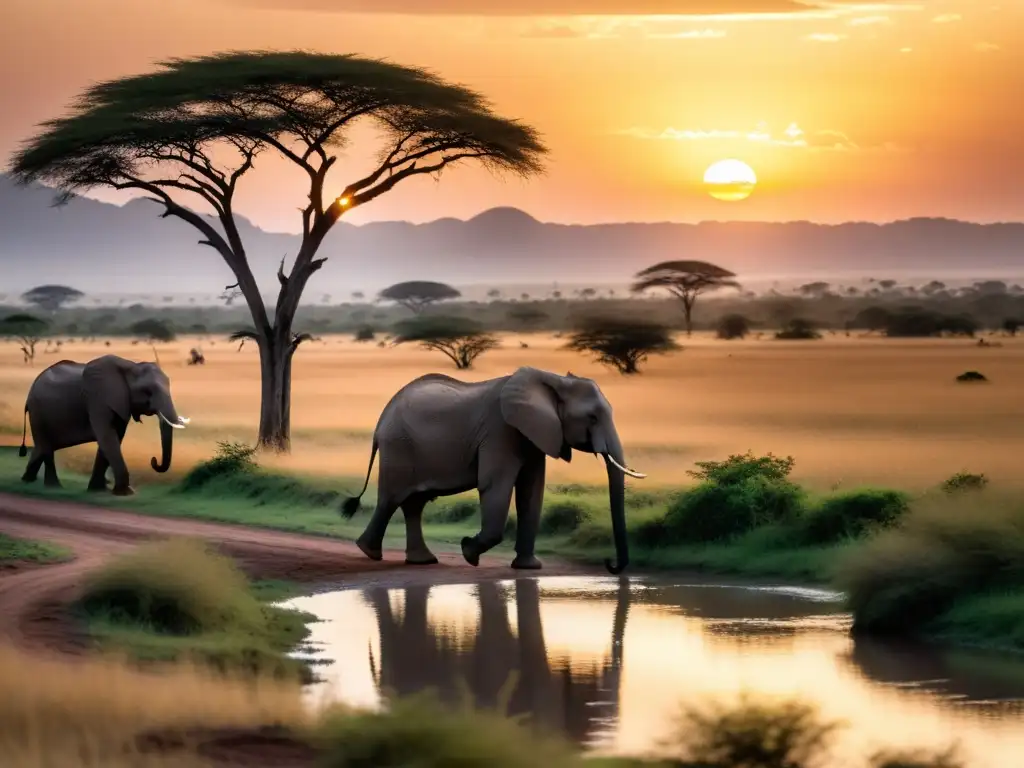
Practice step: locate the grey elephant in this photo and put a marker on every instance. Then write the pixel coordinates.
(73, 403)
(439, 436)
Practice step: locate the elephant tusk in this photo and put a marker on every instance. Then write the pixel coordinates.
(629, 472)
(183, 420)
(171, 423)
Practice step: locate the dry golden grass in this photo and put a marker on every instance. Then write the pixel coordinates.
(57, 713)
(851, 410)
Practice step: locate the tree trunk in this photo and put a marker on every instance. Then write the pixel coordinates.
(275, 405)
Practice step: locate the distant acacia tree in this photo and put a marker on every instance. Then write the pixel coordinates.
(153, 329)
(494, 294)
(461, 339)
(798, 329)
(1011, 325)
(51, 297)
(417, 295)
(686, 280)
(26, 330)
(358, 295)
(621, 342)
(189, 131)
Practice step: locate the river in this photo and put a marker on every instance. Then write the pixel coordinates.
(609, 661)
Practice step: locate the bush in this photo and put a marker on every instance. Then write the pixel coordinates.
(364, 333)
(740, 467)
(174, 587)
(798, 329)
(452, 512)
(719, 512)
(563, 517)
(755, 734)
(964, 481)
(732, 327)
(231, 459)
(853, 514)
(903, 580)
(419, 730)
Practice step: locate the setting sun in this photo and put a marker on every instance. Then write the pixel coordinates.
(730, 180)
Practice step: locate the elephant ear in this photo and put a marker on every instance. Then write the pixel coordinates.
(531, 406)
(105, 384)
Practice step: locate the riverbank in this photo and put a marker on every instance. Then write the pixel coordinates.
(742, 517)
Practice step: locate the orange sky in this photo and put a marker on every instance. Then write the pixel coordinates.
(846, 110)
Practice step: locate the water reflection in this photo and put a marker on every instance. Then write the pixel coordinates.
(608, 661)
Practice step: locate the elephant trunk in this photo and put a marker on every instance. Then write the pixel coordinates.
(169, 421)
(615, 464)
(166, 443)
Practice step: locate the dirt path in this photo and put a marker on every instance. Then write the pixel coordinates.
(32, 601)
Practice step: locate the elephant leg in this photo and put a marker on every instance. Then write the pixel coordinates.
(98, 478)
(371, 542)
(529, 503)
(416, 551)
(50, 478)
(35, 461)
(108, 436)
(495, 498)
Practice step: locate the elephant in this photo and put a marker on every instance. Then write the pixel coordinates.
(439, 436)
(73, 403)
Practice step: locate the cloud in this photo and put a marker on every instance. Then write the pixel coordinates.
(824, 140)
(824, 37)
(947, 18)
(986, 47)
(593, 30)
(711, 8)
(863, 21)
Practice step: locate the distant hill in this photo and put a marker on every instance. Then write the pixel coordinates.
(93, 245)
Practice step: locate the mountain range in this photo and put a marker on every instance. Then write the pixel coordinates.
(100, 247)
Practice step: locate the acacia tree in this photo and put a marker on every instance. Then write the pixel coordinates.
(685, 280)
(192, 129)
(417, 295)
(461, 339)
(27, 330)
(621, 342)
(51, 297)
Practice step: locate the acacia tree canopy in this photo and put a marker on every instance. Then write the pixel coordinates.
(461, 339)
(416, 295)
(51, 297)
(685, 280)
(187, 132)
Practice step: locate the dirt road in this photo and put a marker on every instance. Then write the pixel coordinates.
(33, 601)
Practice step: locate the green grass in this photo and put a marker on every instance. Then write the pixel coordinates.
(17, 551)
(175, 600)
(955, 573)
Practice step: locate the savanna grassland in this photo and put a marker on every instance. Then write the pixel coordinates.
(850, 410)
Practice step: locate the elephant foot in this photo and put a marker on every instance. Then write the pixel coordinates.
(424, 557)
(27, 479)
(370, 552)
(126, 491)
(52, 484)
(93, 488)
(471, 551)
(527, 563)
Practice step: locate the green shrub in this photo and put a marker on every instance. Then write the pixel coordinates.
(456, 511)
(563, 517)
(906, 578)
(964, 481)
(231, 459)
(852, 514)
(718, 512)
(175, 587)
(419, 731)
(364, 333)
(740, 467)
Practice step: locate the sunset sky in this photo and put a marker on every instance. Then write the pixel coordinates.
(845, 110)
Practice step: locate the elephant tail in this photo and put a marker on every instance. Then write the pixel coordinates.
(23, 451)
(351, 505)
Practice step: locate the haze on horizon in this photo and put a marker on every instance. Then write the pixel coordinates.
(845, 110)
